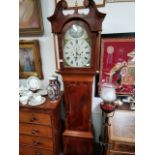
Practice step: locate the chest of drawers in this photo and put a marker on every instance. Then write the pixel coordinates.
(121, 133)
(40, 129)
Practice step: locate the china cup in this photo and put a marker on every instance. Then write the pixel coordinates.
(23, 100)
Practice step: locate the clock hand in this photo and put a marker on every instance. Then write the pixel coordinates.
(76, 58)
(76, 51)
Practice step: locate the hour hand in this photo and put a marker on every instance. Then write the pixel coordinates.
(76, 58)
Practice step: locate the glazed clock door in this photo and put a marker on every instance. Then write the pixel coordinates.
(76, 47)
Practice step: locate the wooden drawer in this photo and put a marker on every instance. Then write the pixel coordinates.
(25, 150)
(111, 152)
(124, 147)
(36, 141)
(35, 130)
(38, 118)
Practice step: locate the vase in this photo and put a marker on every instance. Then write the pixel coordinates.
(53, 88)
(57, 81)
(107, 108)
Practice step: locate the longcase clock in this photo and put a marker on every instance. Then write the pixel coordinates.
(78, 43)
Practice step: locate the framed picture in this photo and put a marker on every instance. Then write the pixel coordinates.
(117, 64)
(29, 59)
(71, 3)
(113, 1)
(30, 18)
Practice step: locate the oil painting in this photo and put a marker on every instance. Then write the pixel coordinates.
(29, 59)
(30, 17)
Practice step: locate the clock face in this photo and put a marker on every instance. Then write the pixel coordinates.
(76, 49)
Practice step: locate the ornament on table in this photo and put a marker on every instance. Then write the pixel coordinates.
(108, 95)
(53, 89)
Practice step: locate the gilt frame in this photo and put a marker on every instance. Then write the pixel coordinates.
(29, 59)
(30, 18)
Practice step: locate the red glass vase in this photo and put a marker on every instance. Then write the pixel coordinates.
(107, 108)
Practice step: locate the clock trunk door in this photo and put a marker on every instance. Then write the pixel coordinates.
(78, 102)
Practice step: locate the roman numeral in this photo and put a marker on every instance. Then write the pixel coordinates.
(86, 58)
(87, 52)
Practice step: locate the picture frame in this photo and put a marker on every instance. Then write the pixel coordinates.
(115, 1)
(30, 18)
(29, 59)
(117, 62)
(71, 3)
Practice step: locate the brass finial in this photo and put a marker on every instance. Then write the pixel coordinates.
(76, 6)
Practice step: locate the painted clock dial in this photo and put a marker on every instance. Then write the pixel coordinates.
(76, 47)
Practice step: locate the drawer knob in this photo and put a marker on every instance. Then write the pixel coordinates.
(122, 146)
(33, 119)
(36, 143)
(38, 153)
(34, 131)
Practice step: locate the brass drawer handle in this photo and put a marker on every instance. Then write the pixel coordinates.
(38, 153)
(122, 146)
(33, 119)
(36, 143)
(109, 146)
(34, 131)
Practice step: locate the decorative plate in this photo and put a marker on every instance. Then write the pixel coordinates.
(42, 92)
(34, 102)
(33, 83)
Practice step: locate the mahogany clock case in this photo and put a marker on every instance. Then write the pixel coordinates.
(78, 81)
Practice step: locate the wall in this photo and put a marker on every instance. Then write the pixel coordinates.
(119, 19)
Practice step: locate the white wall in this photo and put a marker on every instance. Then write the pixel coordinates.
(119, 19)
(46, 43)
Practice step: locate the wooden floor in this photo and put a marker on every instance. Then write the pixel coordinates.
(97, 150)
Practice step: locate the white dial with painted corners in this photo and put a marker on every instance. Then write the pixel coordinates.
(77, 53)
(77, 50)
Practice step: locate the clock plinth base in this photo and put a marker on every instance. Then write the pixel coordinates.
(78, 142)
